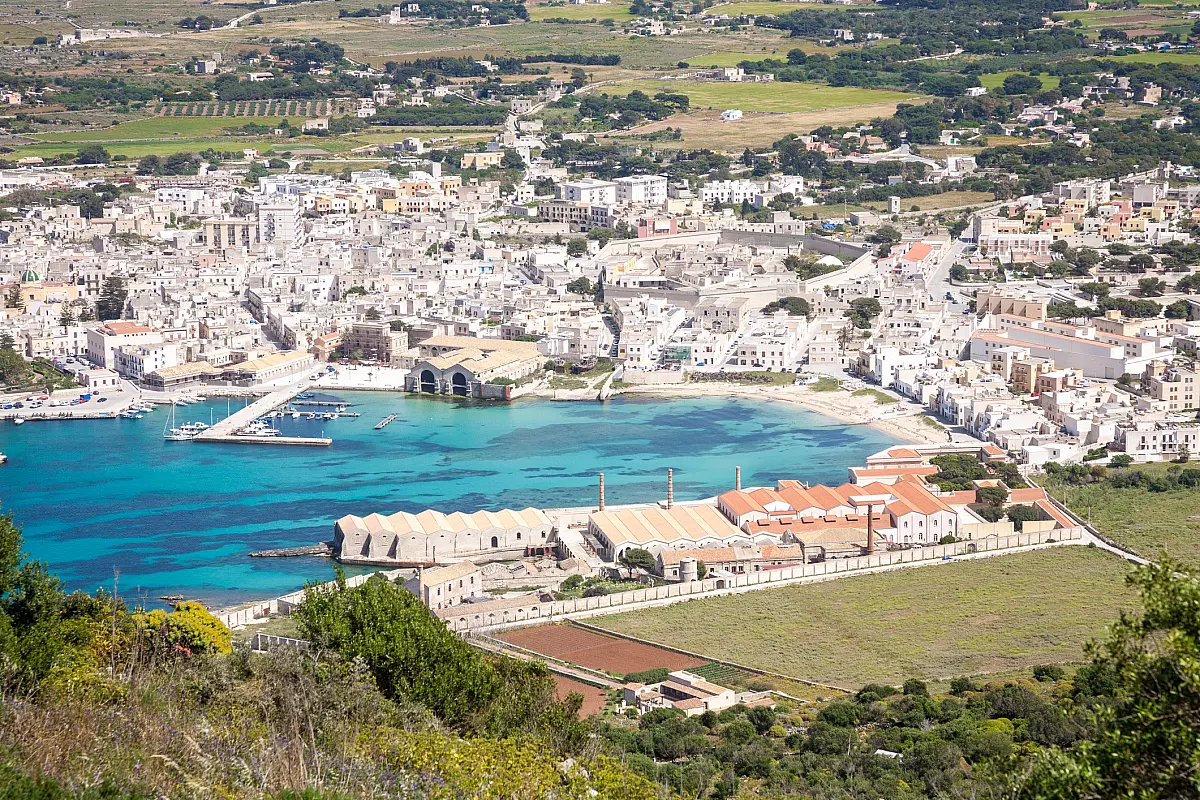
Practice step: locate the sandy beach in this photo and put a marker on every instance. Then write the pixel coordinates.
(909, 425)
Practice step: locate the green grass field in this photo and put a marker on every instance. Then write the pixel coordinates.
(617, 11)
(980, 616)
(1161, 58)
(996, 80)
(935, 202)
(159, 128)
(777, 97)
(1149, 522)
(167, 135)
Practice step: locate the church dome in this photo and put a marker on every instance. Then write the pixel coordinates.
(30, 276)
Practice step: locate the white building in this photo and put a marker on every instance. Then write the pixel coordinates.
(590, 191)
(280, 222)
(735, 192)
(647, 190)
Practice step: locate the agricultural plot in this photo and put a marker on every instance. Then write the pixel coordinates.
(935, 202)
(978, 616)
(154, 128)
(615, 11)
(597, 651)
(773, 97)
(723, 59)
(760, 7)
(707, 129)
(1137, 22)
(996, 79)
(1191, 57)
(594, 698)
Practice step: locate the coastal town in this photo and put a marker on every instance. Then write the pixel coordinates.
(599, 399)
(330, 281)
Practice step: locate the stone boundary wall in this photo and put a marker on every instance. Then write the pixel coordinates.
(480, 617)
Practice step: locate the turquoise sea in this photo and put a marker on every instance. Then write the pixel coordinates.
(181, 517)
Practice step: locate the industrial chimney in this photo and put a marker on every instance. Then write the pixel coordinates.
(670, 488)
(870, 532)
(737, 478)
(601, 491)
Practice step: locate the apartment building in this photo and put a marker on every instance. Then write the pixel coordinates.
(590, 191)
(646, 190)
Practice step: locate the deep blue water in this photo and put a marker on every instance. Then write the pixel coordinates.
(180, 517)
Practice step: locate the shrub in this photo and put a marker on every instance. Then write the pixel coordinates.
(1048, 672)
(962, 686)
(189, 628)
(656, 675)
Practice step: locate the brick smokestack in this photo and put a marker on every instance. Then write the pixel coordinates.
(601, 491)
(737, 478)
(870, 532)
(670, 488)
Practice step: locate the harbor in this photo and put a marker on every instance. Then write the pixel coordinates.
(245, 426)
(178, 519)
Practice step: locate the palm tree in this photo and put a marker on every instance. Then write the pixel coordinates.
(844, 337)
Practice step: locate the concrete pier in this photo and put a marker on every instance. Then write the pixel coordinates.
(225, 431)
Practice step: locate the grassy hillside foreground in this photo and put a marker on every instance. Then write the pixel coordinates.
(986, 615)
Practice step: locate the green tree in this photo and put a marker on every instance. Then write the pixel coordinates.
(66, 317)
(113, 294)
(1022, 84)
(1151, 287)
(992, 495)
(1094, 290)
(1177, 310)
(412, 654)
(581, 286)
(862, 310)
(15, 300)
(1145, 744)
(638, 558)
(576, 247)
(373, 314)
(794, 306)
(92, 154)
(1019, 515)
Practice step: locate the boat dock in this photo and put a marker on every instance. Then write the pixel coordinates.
(226, 431)
(383, 423)
(331, 403)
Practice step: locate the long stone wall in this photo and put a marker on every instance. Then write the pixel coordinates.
(504, 614)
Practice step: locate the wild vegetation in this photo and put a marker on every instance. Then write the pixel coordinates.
(103, 701)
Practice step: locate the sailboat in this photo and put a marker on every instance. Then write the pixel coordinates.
(173, 434)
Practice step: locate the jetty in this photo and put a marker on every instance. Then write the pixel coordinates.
(226, 431)
(332, 403)
(383, 423)
(319, 549)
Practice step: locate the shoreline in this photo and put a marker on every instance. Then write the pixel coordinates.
(839, 405)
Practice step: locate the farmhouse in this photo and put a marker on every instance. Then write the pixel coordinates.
(682, 690)
(442, 587)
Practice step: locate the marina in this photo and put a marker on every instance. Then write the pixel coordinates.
(245, 426)
(383, 423)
